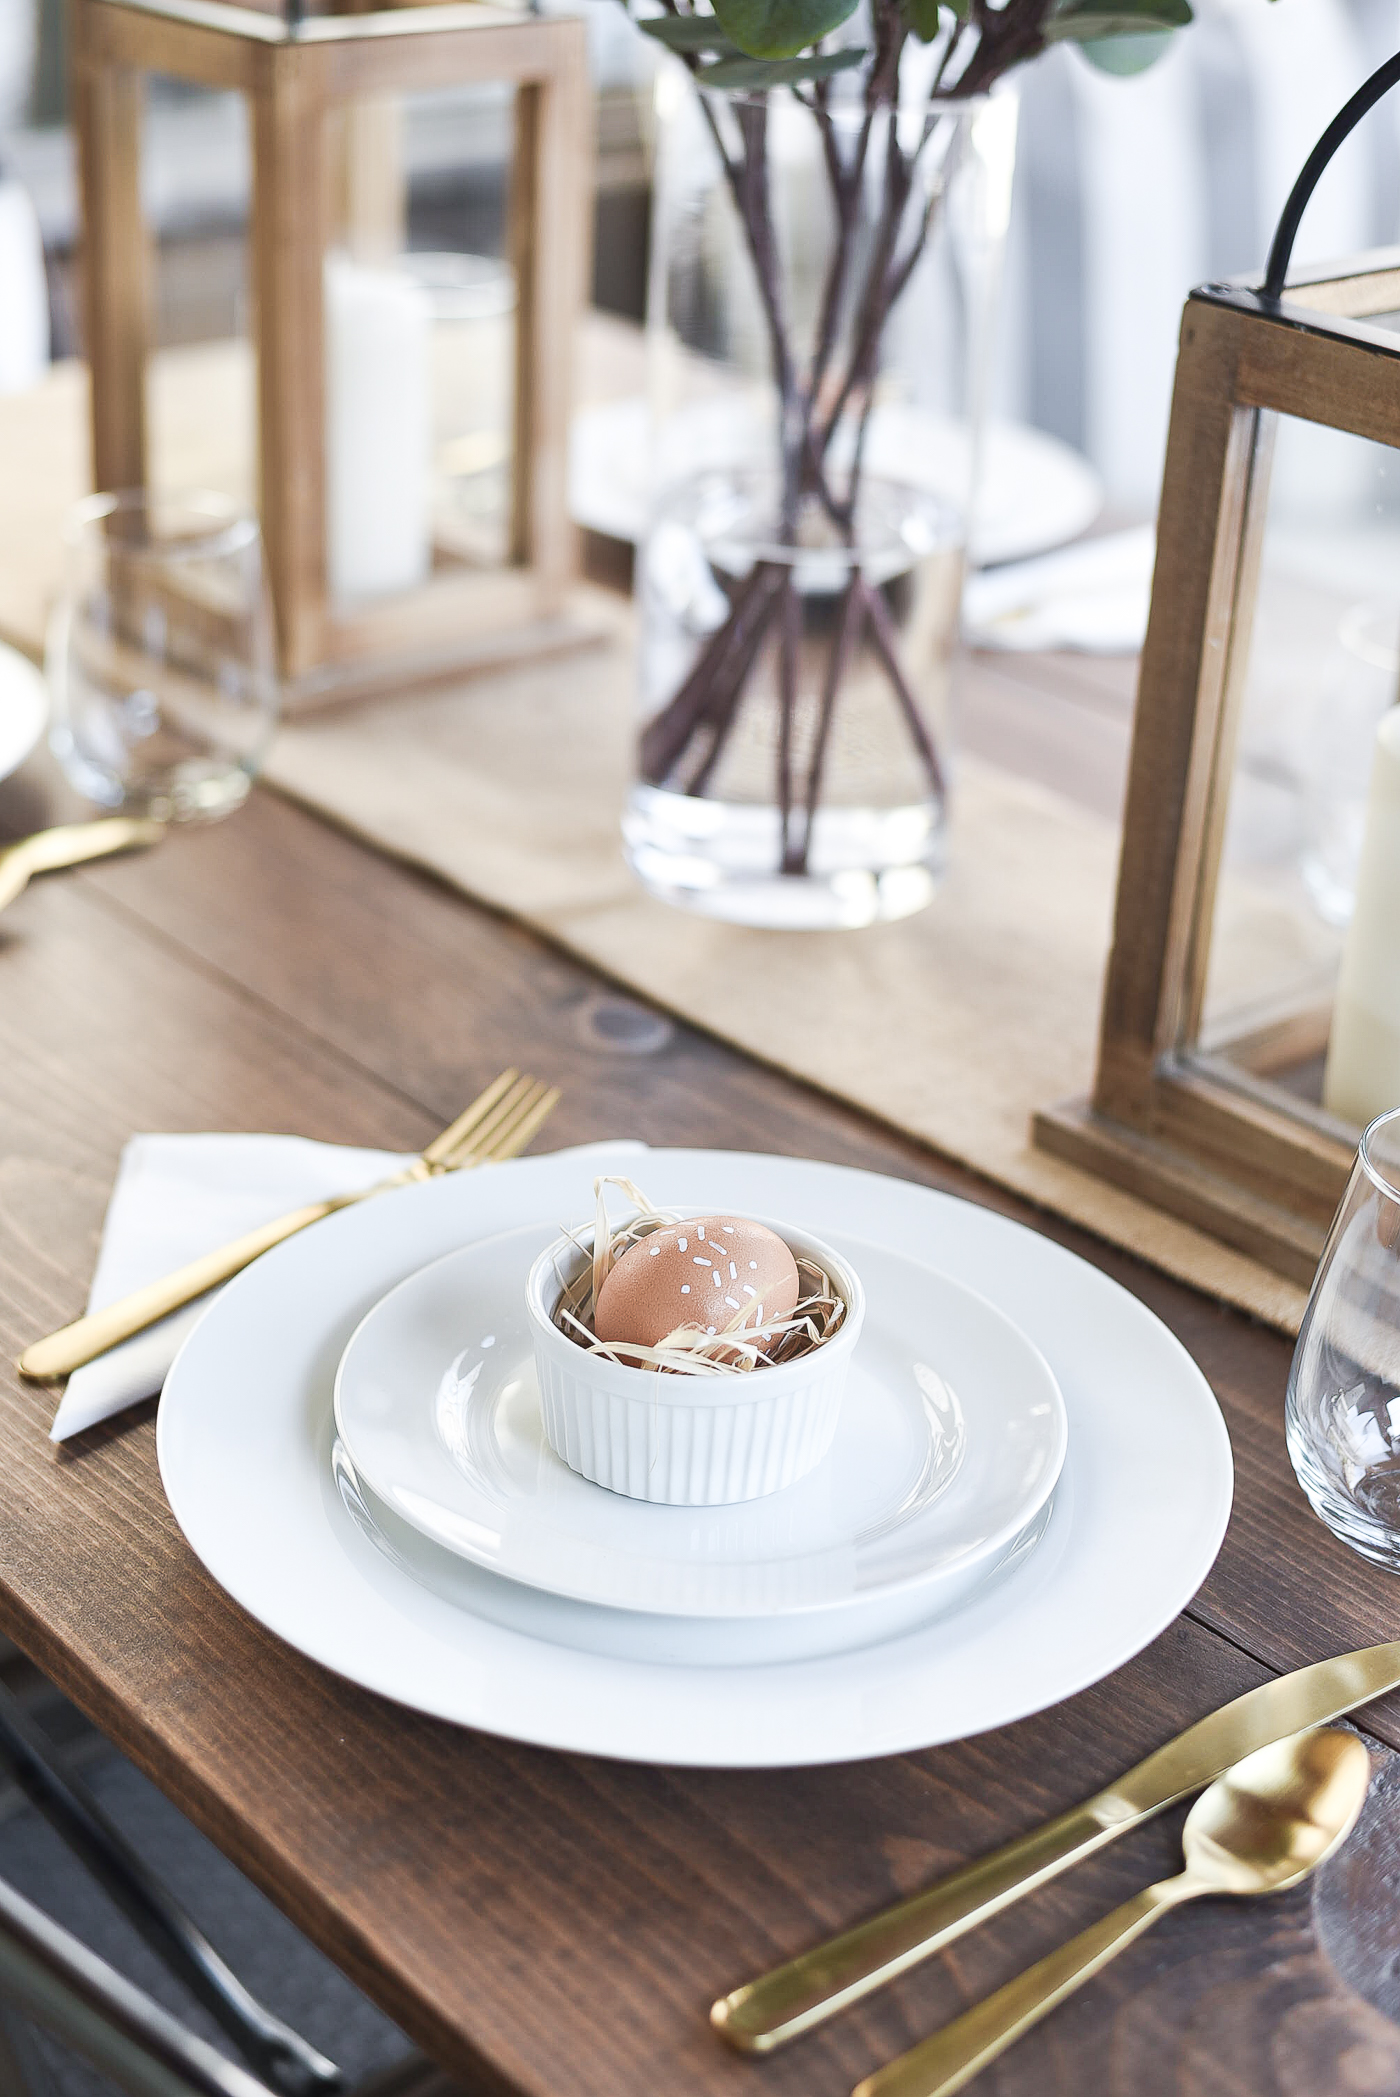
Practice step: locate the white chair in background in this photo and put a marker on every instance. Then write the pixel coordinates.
(24, 292)
(24, 298)
(1131, 191)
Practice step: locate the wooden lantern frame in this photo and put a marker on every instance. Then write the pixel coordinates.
(1193, 1125)
(296, 76)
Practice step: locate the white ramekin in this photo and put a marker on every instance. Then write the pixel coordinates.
(688, 1441)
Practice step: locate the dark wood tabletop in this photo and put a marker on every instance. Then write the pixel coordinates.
(548, 1924)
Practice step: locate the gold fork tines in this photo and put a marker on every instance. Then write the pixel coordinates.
(441, 1153)
(505, 1133)
(499, 1119)
(529, 1117)
(497, 1125)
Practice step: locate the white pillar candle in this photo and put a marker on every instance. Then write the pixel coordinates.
(1363, 1057)
(378, 430)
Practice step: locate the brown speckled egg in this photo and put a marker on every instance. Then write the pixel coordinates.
(700, 1272)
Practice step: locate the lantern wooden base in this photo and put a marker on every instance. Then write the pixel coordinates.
(1224, 1203)
(581, 619)
(1217, 1132)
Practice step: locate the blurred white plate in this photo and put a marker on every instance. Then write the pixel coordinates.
(1035, 492)
(1093, 598)
(24, 708)
(950, 1441)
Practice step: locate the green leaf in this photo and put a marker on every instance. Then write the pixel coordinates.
(1124, 54)
(685, 32)
(1088, 20)
(755, 74)
(924, 17)
(780, 28)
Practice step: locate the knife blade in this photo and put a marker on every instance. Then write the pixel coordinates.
(805, 1991)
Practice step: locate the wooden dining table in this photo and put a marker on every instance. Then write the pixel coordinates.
(545, 1924)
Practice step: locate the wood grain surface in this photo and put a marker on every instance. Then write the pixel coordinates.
(554, 1924)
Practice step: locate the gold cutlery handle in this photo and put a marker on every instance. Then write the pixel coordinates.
(951, 2057)
(71, 843)
(807, 1990)
(64, 1351)
(68, 844)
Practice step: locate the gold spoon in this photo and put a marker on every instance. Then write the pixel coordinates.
(68, 845)
(1260, 1828)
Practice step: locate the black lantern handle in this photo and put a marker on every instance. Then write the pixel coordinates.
(1342, 125)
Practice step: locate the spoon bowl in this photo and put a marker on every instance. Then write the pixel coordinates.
(1270, 1820)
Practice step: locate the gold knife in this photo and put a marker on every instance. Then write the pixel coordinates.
(69, 845)
(796, 1997)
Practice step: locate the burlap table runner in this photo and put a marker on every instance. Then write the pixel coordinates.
(953, 1025)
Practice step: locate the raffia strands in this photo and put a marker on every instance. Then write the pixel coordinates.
(819, 1312)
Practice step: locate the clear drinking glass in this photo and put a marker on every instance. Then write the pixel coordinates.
(161, 660)
(1343, 1408)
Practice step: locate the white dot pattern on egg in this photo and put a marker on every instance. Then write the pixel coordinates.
(648, 1293)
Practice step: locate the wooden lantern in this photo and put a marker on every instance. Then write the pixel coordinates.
(1211, 1129)
(305, 80)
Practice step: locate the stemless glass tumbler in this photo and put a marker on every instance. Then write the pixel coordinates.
(1343, 1408)
(161, 659)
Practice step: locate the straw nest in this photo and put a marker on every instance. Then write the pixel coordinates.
(820, 1310)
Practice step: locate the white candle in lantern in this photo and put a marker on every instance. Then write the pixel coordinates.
(1363, 1058)
(378, 430)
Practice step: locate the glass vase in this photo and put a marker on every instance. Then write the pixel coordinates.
(1343, 1406)
(822, 282)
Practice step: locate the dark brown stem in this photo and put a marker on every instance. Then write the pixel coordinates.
(747, 179)
(883, 634)
(753, 126)
(725, 700)
(848, 633)
(789, 644)
(873, 310)
(845, 191)
(899, 278)
(665, 736)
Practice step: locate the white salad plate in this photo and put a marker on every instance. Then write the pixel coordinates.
(24, 708)
(1033, 491)
(644, 1635)
(950, 1441)
(245, 1437)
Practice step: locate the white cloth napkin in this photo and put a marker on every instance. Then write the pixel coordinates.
(177, 1197)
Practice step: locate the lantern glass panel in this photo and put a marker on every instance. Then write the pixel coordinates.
(460, 148)
(201, 389)
(1322, 667)
(420, 305)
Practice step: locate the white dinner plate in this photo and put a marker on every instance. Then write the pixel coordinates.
(1034, 492)
(244, 1437)
(24, 708)
(951, 1438)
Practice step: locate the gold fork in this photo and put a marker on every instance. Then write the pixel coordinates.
(495, 1126)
